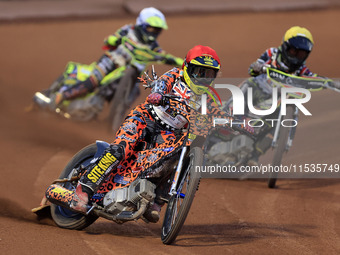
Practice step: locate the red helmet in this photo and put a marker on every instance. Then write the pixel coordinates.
(200, 68)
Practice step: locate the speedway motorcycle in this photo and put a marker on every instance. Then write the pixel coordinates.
(173, 179)
(167, 173)
(119, 88)
(229, 149)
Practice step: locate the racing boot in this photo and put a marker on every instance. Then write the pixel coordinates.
(152, 214)
(55, 100)
(95, 176)
(103, 67)
(81, 197)
(77, 200)
(42, 99)
(77, 90)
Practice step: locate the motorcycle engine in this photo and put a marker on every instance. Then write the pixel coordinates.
(127, 199)
(231, 152)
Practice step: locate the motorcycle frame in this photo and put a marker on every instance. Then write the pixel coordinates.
(173, 189)
(291, 131)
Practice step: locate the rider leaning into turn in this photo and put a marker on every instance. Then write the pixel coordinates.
(149, 25)
(290, 57)
(153, 124)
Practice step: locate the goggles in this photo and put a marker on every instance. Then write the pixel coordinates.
(153, 30)
(204, 72)
(297, 53)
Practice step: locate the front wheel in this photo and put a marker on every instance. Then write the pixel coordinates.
(281, 147)
(180, 203)
(62, 216)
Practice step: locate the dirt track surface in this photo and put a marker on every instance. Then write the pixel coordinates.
(227, 216)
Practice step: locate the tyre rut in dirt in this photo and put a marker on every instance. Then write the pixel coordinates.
(63, 217)
(281, 147)
(179, 204)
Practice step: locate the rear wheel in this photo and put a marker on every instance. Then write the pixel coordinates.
(180, 203)
(281, 147)
(62, 216)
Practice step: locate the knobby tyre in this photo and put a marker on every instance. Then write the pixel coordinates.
(281, 147)
(180, 203)
(64, 217)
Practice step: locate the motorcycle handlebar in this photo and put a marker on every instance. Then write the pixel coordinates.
(335, 87)
(234, 127)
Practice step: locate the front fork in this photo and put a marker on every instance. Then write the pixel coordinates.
(173, 189)
(291, 131)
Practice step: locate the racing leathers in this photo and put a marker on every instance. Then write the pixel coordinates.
(148, 137)
(262, 95)
(271, 57)
(114, 56)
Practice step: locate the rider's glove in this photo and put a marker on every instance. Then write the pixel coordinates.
(256, 68)
(155, 99)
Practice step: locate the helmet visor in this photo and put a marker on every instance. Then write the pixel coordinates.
(150, 33)
(298, 53)
(301, 43)
(153, 30)
(201, 75)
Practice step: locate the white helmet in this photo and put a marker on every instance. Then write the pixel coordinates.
(149, 24)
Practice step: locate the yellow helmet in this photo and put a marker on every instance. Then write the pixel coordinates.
(300, 32)
(200, 68)
(296, 45)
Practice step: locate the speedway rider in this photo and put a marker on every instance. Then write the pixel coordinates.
(153, 124)
(149, 25)
(289, 57)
